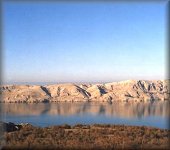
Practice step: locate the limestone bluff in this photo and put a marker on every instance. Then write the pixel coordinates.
(130, 90)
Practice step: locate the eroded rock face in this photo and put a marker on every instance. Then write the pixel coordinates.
(24, 93)
(130, 90)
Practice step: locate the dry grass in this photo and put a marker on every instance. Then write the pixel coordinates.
(87, 137)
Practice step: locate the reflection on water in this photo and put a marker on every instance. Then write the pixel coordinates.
(114, 109)
(86, 112)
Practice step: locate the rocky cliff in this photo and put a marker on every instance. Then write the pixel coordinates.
(130, 90)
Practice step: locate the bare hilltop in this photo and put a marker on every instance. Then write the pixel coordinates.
(130, 90)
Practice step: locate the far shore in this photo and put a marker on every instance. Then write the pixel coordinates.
(81, 101)
(124, 91)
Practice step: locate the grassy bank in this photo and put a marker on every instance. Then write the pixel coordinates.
(87, 137)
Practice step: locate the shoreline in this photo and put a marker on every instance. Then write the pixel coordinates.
(96, 136)
(18, 126)
(82, 101)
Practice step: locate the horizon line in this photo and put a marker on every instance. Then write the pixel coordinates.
(77, 82)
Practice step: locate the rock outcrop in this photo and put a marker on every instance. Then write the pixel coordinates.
(9, 127)
(130, 90)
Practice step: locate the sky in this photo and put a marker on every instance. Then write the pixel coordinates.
(83, 42)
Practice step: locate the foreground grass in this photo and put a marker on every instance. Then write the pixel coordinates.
(87, 137)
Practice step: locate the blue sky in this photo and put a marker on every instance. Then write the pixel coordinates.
(84, 42)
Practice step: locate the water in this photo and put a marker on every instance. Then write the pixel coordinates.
(154, 114)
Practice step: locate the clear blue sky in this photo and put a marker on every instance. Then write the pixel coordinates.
(84, 42)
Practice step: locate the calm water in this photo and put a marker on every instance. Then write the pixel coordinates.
(154, 114)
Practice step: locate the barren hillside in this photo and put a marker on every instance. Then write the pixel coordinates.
(130, 90)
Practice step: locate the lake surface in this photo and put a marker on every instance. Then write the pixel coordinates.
(155, 114)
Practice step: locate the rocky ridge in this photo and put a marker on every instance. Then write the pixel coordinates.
(130, 90)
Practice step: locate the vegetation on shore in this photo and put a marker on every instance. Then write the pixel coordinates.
(80, 136)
